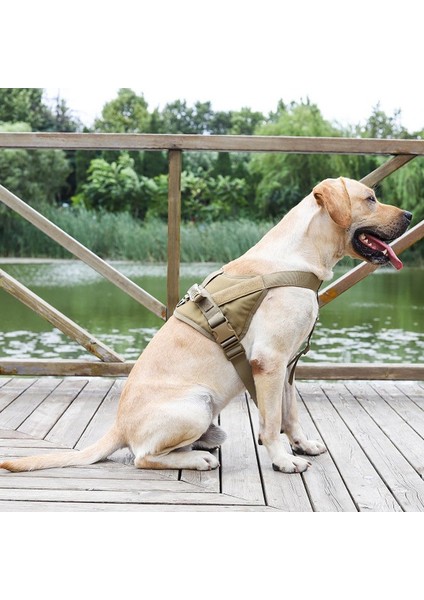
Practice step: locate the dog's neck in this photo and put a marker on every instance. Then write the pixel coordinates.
(297, 244)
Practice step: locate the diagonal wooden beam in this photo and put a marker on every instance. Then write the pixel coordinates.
(74, 247)
(364, 269)
(389, 167)
(57, 319)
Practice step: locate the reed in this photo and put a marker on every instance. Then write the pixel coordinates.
(119, 236)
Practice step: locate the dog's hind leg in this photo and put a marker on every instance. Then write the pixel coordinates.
(211, 439)
(166, 439)
(190, 459)
(291, 426)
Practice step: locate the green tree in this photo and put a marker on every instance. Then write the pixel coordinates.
(282, 180)
(128, 113)
(116, 187)
(36, 176)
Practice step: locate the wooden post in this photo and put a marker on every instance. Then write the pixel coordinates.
(174, 220)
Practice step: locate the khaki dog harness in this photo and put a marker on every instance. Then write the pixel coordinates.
(222, 308)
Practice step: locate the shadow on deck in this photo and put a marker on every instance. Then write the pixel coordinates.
(374, 432)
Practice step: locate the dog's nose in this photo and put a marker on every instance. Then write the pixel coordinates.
(408, 215)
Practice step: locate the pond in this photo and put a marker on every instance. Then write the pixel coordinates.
(381, 319)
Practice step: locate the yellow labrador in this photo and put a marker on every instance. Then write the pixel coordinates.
(182, 380)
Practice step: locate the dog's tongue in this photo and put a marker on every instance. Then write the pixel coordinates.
(396, 262)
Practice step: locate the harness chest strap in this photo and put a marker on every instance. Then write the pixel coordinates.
(220, 327)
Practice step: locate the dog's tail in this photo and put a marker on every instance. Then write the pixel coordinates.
(104, 447)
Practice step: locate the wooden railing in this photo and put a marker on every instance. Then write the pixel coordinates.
(399, 151)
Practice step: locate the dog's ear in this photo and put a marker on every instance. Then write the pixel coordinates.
(332, 194)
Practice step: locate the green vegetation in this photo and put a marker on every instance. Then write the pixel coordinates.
(116, 202)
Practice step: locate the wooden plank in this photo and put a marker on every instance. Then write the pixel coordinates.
(366, 371)
(3, 381)
(240, 470)
(174, 220)
(16, 412)
(367, 489)
(349, 279)
(406, 440)
(50, 314)
(326, 489)
(305, 370)
(14, 388)
(9, 434)
(44, 417)
(73, 422)
(404, 406)
(77, 249)
(413, 390)
(103, 484)
(25, 506)
(128, 497)
(223, 143)
(64, 368)
(207, 480)
(103, 418)
(389, 167)
(108, 468)
(283, 491)
(403, 481)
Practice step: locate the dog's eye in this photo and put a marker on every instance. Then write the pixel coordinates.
(371, 199)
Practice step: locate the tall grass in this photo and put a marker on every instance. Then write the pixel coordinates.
(121, 237)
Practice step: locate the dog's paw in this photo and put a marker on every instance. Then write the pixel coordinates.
(291, 464)
(308, 447)
(205, 461)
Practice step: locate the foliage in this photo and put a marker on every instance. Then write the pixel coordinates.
(215, 186)
(36, 176)
(116, 187)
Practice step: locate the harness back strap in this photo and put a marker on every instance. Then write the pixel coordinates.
(220, 327)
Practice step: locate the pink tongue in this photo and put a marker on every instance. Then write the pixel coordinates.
(396, 262)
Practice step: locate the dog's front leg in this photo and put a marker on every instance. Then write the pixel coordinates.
(269, 391)
(290, 424)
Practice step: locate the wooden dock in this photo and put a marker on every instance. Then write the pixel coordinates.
(374, 432)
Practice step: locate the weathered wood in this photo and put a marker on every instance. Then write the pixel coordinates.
(389, 167)
(64, 368)
(239, 470)
(13, 389)
(374, 434)
(326, 489)
(83, 253)
(399, 431)
(57, 319)
(44, 417)
(405, 484)
(367, 489)
(389, 371)
(285, 492)
(223, 143)
(364, 269)
(305, 370)
(73, 422)
(35, 506)
(174, 220)
(17, 411)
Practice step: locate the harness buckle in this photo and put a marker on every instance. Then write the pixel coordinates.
(195, 293)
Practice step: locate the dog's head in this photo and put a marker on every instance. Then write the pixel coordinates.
(369, 225)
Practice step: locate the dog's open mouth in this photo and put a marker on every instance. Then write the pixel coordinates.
(374, 249)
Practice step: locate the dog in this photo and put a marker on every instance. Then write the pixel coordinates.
(183, 380)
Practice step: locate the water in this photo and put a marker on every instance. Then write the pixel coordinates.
(381, 319)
